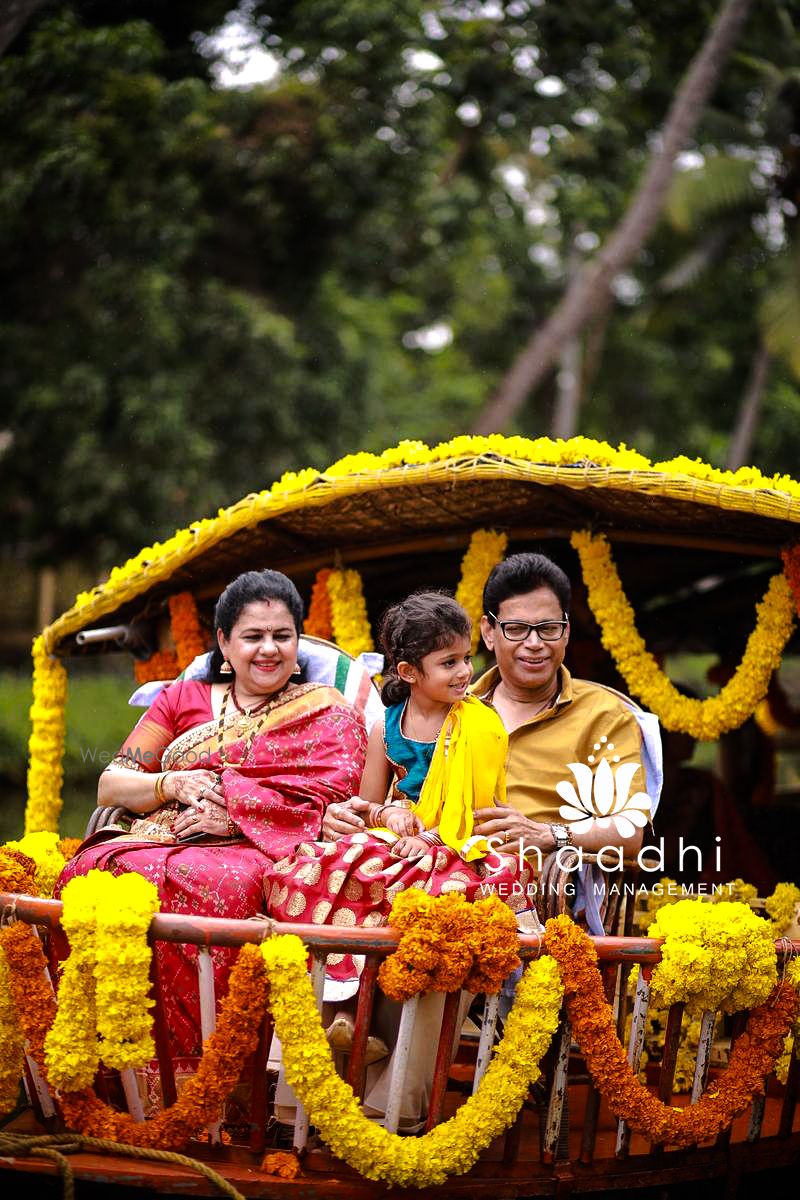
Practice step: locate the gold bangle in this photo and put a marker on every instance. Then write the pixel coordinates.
(158, 791)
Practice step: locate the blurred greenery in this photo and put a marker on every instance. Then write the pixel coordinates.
(98, 719)
(205, 285)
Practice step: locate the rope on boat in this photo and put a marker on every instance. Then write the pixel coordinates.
(56, 1146)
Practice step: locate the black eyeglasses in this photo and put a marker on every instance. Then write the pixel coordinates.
(519, 631)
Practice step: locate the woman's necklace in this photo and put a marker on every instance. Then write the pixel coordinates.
(244, 722)
(252, 726)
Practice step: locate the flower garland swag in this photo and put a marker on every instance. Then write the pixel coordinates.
(28, 1005)
(450, 1148)
(753, 1058)
(46, 743)
(703, 719)
(349, 621)
(447, 943)
(188, 637)
(781, 907)
(104, 995)
(319, 619)
(201, 1098)
(486, 549)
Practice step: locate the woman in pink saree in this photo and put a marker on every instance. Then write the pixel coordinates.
(227, 776)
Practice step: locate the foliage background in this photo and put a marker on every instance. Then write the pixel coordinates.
(201, 286)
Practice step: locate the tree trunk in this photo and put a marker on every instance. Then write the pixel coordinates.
(14, 16)
(749, 409)
(640, 218)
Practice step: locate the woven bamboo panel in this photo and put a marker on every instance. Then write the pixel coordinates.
(386, 521)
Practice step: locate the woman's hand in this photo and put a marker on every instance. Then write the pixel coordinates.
(343, 819)
(192, 787)
(202, 816)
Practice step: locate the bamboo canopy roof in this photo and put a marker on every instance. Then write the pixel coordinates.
(405, 518)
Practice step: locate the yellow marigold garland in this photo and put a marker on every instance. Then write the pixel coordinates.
(449, 1149)
(781, 907)
(104, 996)
(46, 743)
(351, 630)
(753, 1058)
(11, 1046)
(714, 956)
(447, 944)
(703, 719)
(319, 620)
(486, 549)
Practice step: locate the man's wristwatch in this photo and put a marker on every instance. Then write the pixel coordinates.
(562, 836)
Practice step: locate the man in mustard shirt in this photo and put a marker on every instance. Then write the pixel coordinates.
(553, 721)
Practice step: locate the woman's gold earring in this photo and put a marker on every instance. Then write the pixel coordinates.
(298, 670)
(226, 668)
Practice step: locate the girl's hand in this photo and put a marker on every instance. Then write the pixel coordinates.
(193, 787)
(204, 817)
(410, 848)
(401, 821)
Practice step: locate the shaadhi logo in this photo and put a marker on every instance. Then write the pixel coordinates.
(603, 795)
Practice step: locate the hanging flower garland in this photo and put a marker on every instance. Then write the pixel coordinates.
(104, 995)
(11, 1044)
(31, 993)
(44, 849)
(447, 944)
(319, 621)
(781, 907)
(752, 1059)
(791, 569)
(486, 549)
(187, 636)
(451, 1148)
(350, 624)
(714, 956)
(46, 743)
(201, 1097)
(703, 719)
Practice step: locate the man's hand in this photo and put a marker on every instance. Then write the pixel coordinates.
(343, 819)
(510, 832)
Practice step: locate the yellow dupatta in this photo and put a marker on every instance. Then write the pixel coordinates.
(467, 771)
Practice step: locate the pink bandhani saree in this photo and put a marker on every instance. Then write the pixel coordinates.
(308, 752)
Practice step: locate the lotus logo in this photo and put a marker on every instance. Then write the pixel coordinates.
(603, 795)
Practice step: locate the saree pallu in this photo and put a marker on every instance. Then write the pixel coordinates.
(354, 881)
(308, 752)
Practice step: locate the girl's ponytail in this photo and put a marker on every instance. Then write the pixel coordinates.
(394, 690)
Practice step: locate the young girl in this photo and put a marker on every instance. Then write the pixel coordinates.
(444, 754)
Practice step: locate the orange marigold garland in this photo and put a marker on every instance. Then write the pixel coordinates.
(753, 1058)
(319, 622)
(791, 569)
(187, 633)
(189, 639)
(30, 986)
(447, 944)
(201, 1097)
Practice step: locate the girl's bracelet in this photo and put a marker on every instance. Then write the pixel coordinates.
(432, 839)
(375, 814)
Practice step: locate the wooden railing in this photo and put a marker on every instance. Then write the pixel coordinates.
(564, 1068)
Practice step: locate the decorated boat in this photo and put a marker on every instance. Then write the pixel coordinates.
(552, 1093)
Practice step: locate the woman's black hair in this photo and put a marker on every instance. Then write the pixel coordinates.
(418, 625)
(522, 573)
(247, 589)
